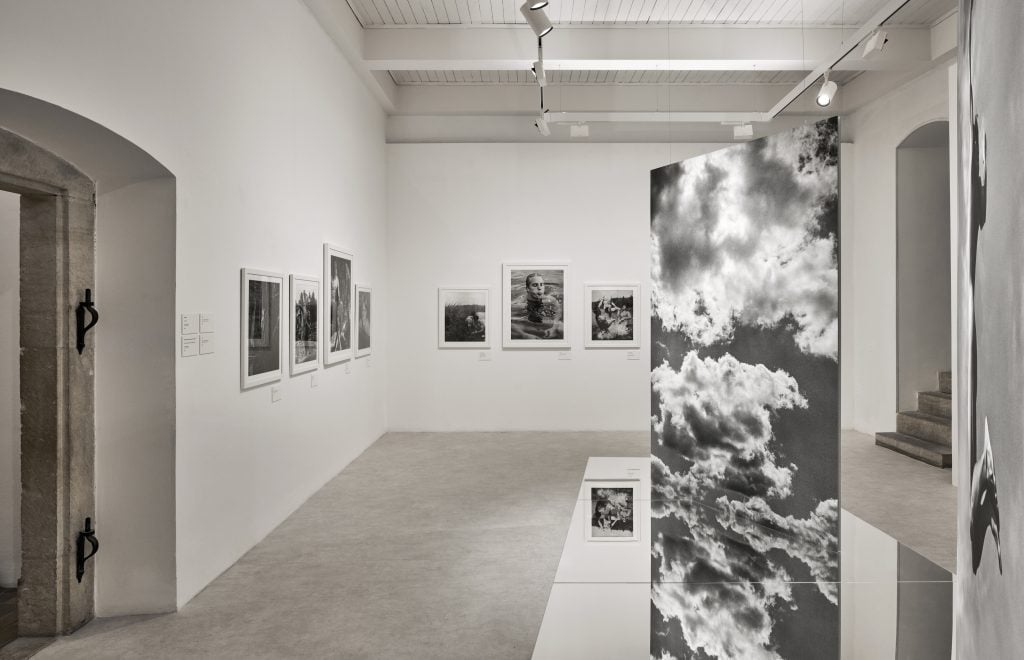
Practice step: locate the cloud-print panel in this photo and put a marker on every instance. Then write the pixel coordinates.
(744, 400)
(759, 244)
(720, 411)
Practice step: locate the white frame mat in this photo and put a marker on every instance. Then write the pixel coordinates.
(488, 325)
(588, 340)
(253, 274)
(506, 304)
(341, 355)
(311, 365)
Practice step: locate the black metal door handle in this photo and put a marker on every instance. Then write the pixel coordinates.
(87, 534)
(86, 305)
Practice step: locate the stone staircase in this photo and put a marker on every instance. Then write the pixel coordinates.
(926, 433)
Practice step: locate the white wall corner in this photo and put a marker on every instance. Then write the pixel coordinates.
(342, 26)
(943, 36)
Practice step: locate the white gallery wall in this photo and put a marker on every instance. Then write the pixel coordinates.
(869, 243)
(276, 147)
(10, 396)
(455, 213)
(135, 399)
(923, 270)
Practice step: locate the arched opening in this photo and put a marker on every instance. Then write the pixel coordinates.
(923, 317)
(129, 363)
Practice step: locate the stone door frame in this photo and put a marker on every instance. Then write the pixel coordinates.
(57, 256)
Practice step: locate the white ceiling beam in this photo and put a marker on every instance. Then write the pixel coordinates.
(525, 99)
(725, 118)
(627, 48)
(504, 128)
(943, 36)
(843, 53)
(866, 89)
(942, 44)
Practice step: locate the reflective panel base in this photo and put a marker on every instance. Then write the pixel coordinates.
(887, 601)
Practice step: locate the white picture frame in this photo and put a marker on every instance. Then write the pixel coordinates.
(363, 330)
(607, 314)
(304, 298)
(604, 519)
(262, 327)
(529, 321)
(458, 317)
(337, 318)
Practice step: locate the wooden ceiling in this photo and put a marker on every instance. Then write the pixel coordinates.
(379, 13)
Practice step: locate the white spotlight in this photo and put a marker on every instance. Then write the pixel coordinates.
(542, 125)
(537, 19)
(579, 130)
(743, 131)
(538, 4)
(875, 43)
(827, 92)
(538, 73)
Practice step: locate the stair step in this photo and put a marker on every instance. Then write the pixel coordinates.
(939, 404)
(925, 426)
(946, 382)
(922, 450)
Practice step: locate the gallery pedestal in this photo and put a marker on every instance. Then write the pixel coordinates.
(893, 602)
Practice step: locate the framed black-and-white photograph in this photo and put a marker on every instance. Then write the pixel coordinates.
(462, 316)
(364, 300)
(612, 510)
(534, 301)
(612, 315)
(304, 323)
(337, 321)
(262, 327)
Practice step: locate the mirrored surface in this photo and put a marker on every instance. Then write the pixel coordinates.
(749, 590)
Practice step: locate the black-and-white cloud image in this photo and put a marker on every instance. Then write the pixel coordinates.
(744, 400)
(758, 244)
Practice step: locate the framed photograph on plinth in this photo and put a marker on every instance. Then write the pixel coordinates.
(612, 315)
(304, 323)
(262, 327)
(462, 316)
(363, 308)
(612, 510)
(337, 314)
(534, 303)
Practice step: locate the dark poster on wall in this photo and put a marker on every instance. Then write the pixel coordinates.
(990, 351)
(745, 400)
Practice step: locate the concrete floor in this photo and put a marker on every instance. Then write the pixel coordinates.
(426, 546)
(908, 500)
(438, 545)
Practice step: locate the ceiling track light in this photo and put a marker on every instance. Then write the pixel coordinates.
(533, 12)
(827, 92)
(875, 44)
(538, 73)
(541, 123)
(743, 131)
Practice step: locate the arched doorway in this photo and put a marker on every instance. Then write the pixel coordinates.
(923, 312)
(57, 266)
(133, 350)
